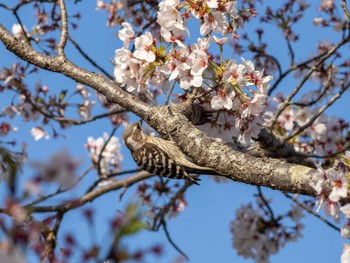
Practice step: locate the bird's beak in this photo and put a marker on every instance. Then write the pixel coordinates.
(139, 124)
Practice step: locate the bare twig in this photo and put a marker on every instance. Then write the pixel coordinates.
(61, 190)
(51, 238)
(272, 58)
(303, 64)
(286, 103)
(50, 115)
(266, 203)
(159, 217)
(100, 156)
(64, 29)
(88, 58)
(320, 111)
(170, 91)
(291, 51)
(88, 197)
(171, 241)
(345, 8)
(101, 179)
(312, 212)
(320, 95)
(6, 7)
(307, 155)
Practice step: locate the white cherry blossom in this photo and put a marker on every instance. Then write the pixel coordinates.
(126, 34)
(39, 133)
(143, 48)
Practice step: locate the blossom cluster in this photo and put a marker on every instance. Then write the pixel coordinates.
(60, 168)
(234, 91)
(161, 195)
(325, 134)
(258, 236)
(331, 186)
(105, 153)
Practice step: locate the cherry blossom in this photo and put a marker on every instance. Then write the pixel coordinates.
(222, 100)
(38, 133)
(126, 34)
(215, 22)
(19, 32)
(60, 168)
(255, 236)
(110, 158)
(345, 231)
(143, 48)
(345, 257)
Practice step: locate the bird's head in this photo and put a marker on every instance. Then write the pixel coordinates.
(133, 135)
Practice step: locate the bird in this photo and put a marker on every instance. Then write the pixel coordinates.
(159, 156)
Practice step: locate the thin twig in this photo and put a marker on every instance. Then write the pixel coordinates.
(345, 8)
(171, 241)
(64, 29)
(266, 203)
(61, 190)
(291, 51)
(272, 58)
(320, 95)
(100, 156)
(49, 115)
(286, 103)
(88, 197)
(303, 64)
(170, 91)
(312, 212)
(100, 179)
(88, 58)
(306, 155)
(159, 217)
(320, 111)
(6, 7)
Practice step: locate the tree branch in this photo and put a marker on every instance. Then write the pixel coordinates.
(227, 162)
(64, 29)
(89, 197)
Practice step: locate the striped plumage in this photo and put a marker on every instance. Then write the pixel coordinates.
(158, 156)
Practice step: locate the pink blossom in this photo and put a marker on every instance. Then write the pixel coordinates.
(110, 157)
(60, 168)
(143, 48)
(345, 231)
(345, 257)
(339, 183)
(187, 80)
(332, 209)
(212, 3)
(126, 34)
(18, 32)
(346, 210)
(213, 22)
(38, 133)
(219, 41)
(200, 63)
(222, 99)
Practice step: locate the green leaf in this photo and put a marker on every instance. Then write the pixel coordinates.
(62, 95)
(135, 225)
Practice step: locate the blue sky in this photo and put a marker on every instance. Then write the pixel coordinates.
(202, 230)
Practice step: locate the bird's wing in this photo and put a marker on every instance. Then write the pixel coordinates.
(156, 161)
(176, 154)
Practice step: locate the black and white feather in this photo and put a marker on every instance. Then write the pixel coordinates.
(158, 156)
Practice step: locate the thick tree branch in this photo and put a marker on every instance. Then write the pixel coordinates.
(227, 162)
(232, 164)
